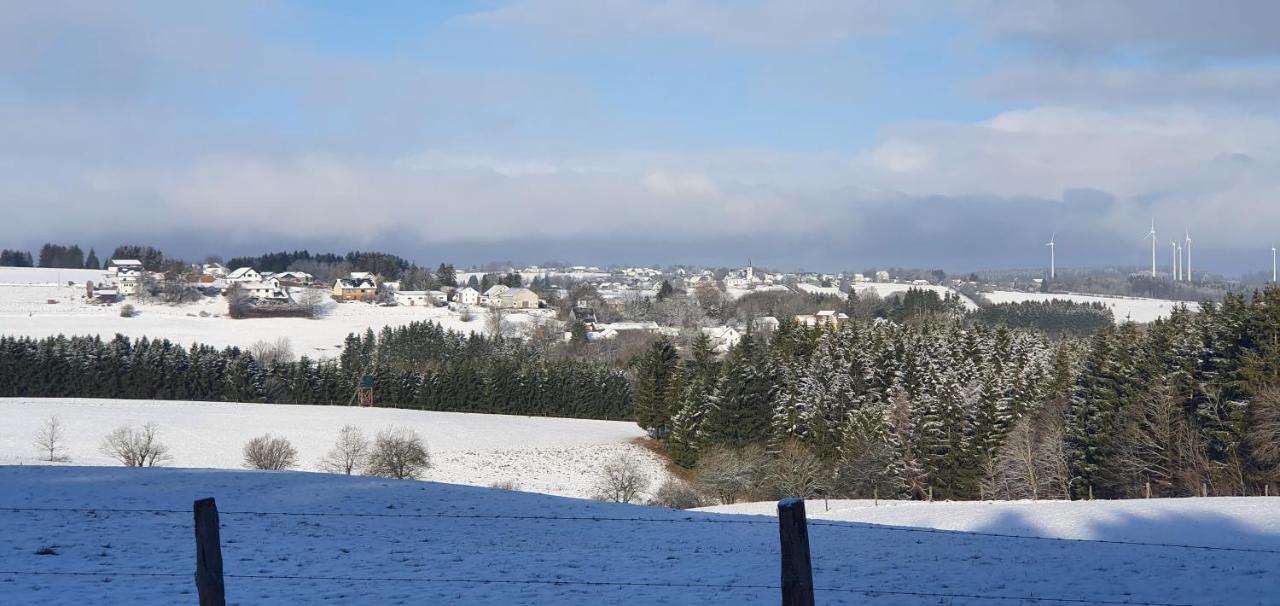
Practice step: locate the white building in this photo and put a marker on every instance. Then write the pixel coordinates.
(466, 296)
(724, 337)
(414, 298)
(265, 291)
(243, 274)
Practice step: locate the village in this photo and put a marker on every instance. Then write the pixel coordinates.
(526, 302)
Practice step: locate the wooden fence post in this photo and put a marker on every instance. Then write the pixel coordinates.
(797, 569)
(208, 554)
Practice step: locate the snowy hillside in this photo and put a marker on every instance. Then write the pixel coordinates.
(555, 456)
(1253, 522)
(25, 311)
(1123, 308)
(389, 542)
(885, 289)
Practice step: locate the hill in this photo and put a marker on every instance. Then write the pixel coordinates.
(541, 454)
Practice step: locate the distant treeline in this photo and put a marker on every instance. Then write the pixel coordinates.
(328, 266)
(15, 258)
(1056, 317)
(415, 366)
(73, 257)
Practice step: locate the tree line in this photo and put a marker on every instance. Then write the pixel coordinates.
(950, 408)
(416, 366)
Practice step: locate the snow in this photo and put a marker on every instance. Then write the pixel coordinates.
(814, 289)
(392, 559)
(1123, 308)
(541, 454)
(25, 311)
(885, 289)
(1245, 522)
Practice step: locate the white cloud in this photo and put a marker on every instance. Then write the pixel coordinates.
(680, 185)
(750, 23)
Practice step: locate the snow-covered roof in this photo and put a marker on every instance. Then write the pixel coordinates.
(125, 262)
(240, 272)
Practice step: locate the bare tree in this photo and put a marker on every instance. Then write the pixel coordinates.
(1161, 446)
(730, 475)
(349, 454)
(312, 299)
(1031, 462)
(136, 447)
(1263, 437)
(269, 354)
(268, 453)
(620, 481)
(398, 453)
(494, 322)
(49, 440)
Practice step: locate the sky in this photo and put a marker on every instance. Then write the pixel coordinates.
(802, 134)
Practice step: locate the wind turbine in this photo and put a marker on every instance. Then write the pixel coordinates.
(1173, 246)
(1152, 236)
(1188, 272)
(1053, 261)
(1273, 263)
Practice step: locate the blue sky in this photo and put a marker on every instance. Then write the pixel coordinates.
(802, 133)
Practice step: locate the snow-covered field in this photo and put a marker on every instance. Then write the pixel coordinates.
(885, 289)
(1123, 308)
(388, 542)
(541, 454)
(1241, 522)
(25, 311)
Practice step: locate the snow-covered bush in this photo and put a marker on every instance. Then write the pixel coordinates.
(128, 311)
(398, 453)
(678, 494)
(136, 447)
(268, 453)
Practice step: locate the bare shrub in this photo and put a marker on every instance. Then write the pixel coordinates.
(620, 481)
(398, 453)
(49, 440)
(466, 315)
(505, 485)
(269, 354)
(678, 494)
(136, 447)
(796, 472)
(128, 311)
(350, 453)
(730, 475)
(268, 453)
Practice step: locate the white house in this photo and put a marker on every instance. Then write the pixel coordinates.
(493, 296)
(438, 297)
(724, 337)
(216, 270)
(519, 298)
(265, 290)
(466, 296)
(414, 298)
(244, 274)
(826, 319)
(114, 266)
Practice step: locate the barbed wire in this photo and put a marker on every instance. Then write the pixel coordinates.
(673, 520)
(586, 583)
